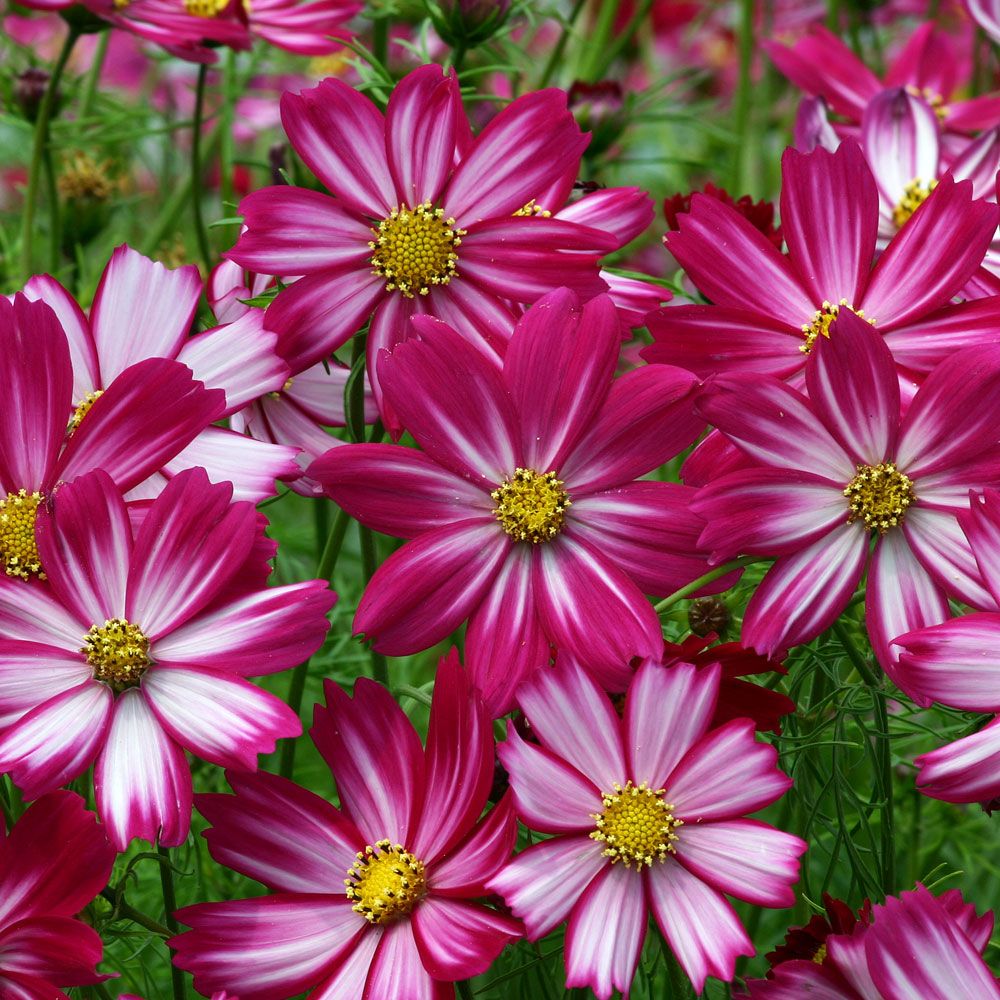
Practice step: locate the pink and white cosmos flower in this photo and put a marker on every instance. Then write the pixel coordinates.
(918, 945)
(53, 862)
(408, 843)
(830, 471)
(525, 508)
(425, 219)
(646, 813)
(144, 310)
(139, 647)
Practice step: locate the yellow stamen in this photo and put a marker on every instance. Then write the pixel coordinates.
(118, 651)
(83, 408)
(531, 506)
(531, 209)
(879, 495)
(17, 534)
(385, 882)
(637, 825)
(914, 195)
(205, 8)
(819, 325)
(820, 957)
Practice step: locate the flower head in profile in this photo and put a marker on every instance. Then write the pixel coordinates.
(829, 474)
(422, 217)
(138, 648)
(53, 862)
(913, 945)
(646, 813)
(375, 898)
(525, 510)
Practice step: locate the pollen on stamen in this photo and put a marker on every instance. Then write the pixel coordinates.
(879, 495)
(82, 409)
(18, 550)
(533, 210)
(914, 195)
(118, 651)
(819, 325)
(531, 506)
(385, 882)
(637, 826)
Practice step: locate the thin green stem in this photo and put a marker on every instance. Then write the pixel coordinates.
(623, 38)
(227, 152)
(743, 101)
(556, 55)
(598, 41)
(197, 171)
(702, 581)
(380, 669)
(854, 654)
(458, 57)
(38, 150)
(169, 906)
(380, 40)
(464, 989)
(55, 215)
(123, 909)
(94, 74)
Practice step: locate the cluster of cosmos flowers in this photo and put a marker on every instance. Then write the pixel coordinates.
(824, 396)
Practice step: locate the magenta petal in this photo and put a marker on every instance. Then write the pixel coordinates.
(141, 309)
(978, 162)
(966, 770)
(726, 774)
(378, 791)
(38, 379)
(559, 366)
(803, 593)
(829, 217)
(32, 673)
(32, 614)
(981, 526)
(605, 932)
(389, 326)
(85, 544)
(347, 981)
(667, 710)
(480, 315)
(141, 778)
(625, 212)
(225, 720)
(702, 928)
(901, 597)
(58, 740)
(340, 135)
(397, 969)
(923, 344)
(55, 949)
(459, 940)
(743, 858)
(397, 491)
(282, 835)
(426, 589)
(473, 862)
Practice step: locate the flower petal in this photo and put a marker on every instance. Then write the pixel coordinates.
(53, 949)
(32, 673)
(965, 770)
(397, 969)
(459, 940)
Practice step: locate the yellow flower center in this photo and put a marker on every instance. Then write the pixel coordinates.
(932, 97)
(83, 408)
(879, 495)
(531, 209)
(84, 179)
(819, 325)
(914, 195)
(17, 534)
(820, 957)
(531, 506)
(415, 248)
(118, 651)
(205, 8)
(385, 882)
(637, 825)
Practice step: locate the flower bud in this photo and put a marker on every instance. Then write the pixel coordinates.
(29, 89)
(467, 23)
(600, 109)
(707, 615)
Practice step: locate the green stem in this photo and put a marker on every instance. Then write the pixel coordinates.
(702, 581)
(380, 40)
(458, 57)
(122, 909)
(743, 102)
(380, 669)
(38, 153)
(556, 56)
(464, 989)
(623, 38)
(597, 43)
(55, 216)
(94, 74)
(197, 171)
(169, 906)
(227, 152)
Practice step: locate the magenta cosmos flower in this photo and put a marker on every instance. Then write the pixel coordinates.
(425, 219)
(53, 862)
(769, 309)
(523, 508)
(646, 814)
(831, 471)
(928, 66)
(918, 946)
(956, 663)
(139, 649)
(144, 310)
(147, 415)
(372, 899)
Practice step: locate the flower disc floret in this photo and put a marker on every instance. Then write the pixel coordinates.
(879, 495)
(637, 825)
(82, 409)
(205, 8)
(914, 195)
(385, 882)
(118, 651)
(17, 534)
(819, 325)
(531, 506)
(414, 248)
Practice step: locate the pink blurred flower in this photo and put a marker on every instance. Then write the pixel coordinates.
(524, 509)
(408, 842)
(53, 862)
(410, 232)
(147, 415)
(310, 28)
(830, 471)
(916, 946)
(138, 649)
(144, 310)
(659, 793)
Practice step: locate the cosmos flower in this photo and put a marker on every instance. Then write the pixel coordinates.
(832, 471)
(915, 945)
(374, 898)
(144, 310)
(53, 862)
(525, 508)
(645, 814)
(146, 416)
(424, 218)
(139, 646)
(768, 309)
